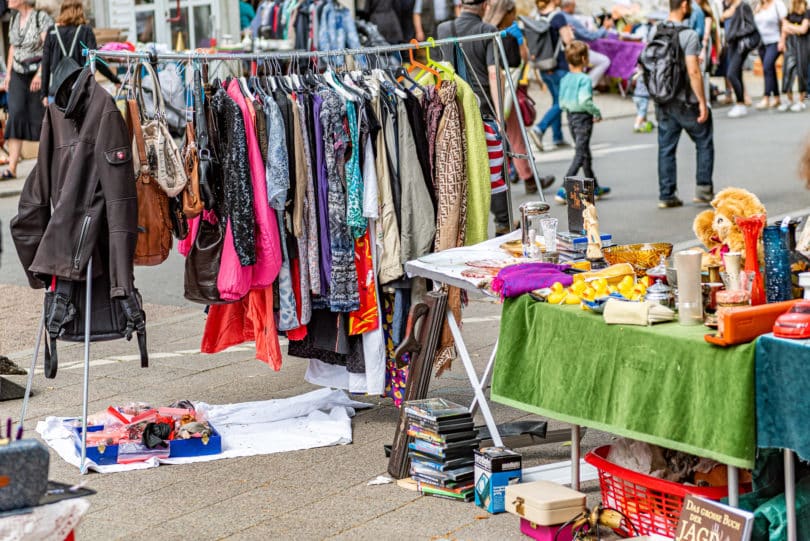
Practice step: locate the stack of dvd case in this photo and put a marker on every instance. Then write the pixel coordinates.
(441, 452)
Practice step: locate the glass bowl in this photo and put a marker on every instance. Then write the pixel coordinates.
(641, 256)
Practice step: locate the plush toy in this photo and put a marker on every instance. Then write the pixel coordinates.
(716, 227)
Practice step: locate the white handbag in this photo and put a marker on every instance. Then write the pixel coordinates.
(165, 161)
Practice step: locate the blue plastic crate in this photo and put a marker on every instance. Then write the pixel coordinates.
(177, 448)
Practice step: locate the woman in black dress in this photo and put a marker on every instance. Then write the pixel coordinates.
(24, 79)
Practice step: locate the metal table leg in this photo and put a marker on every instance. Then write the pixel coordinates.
(575, 455)
(733, 486)
(485, 376)
(790, 494)
(476, 384)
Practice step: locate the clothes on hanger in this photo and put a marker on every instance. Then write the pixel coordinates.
(322, 187)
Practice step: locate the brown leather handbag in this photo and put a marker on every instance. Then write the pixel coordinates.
(192, 201)
(154, 221)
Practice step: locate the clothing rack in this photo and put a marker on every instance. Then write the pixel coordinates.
(500, 60)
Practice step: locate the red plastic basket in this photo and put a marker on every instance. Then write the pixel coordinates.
(651, 504)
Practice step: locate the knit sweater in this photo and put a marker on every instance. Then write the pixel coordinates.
(576, 94)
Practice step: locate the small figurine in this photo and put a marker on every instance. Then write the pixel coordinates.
(591, 222)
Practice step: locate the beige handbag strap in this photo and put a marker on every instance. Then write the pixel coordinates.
(158, 103)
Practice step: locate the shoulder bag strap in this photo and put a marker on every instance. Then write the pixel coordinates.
(75, 39)
(132, 107)
(61, 43)
(157, 94)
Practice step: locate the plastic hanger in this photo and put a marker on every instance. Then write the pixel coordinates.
(415, 65)
(444, 70)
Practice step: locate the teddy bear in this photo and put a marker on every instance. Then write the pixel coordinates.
(716, 227)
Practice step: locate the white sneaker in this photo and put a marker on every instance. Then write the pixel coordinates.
(738, 111)
(798, 107)
(784, 106)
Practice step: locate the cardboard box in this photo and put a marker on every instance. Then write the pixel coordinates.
(108, 455)
(495, 469)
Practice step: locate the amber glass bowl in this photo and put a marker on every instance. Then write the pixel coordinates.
(641, 256)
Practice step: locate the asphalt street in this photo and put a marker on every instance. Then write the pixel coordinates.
(324, 493)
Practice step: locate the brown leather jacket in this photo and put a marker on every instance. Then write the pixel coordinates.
(81, 191)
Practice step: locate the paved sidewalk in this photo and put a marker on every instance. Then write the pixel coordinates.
(12, 188)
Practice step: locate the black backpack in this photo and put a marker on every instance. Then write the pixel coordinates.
(540, 43)
(664, 65)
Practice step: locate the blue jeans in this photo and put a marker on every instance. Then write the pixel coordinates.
(672, 118)
(553, 116)
(769, 53)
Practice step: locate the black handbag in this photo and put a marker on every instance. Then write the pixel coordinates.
(202, 264)
(67, 65)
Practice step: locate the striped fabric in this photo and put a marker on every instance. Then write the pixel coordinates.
(495, 150)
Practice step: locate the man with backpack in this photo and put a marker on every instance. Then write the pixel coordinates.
(672, 75)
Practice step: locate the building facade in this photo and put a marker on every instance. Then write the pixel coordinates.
(188, 23)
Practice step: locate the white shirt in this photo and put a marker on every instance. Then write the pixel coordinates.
(768, 21)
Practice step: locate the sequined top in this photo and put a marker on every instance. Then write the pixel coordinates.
(238, 207)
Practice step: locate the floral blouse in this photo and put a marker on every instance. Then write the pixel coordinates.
(27, 41)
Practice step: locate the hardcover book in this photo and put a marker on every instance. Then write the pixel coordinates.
(704, 519)
(577, 191)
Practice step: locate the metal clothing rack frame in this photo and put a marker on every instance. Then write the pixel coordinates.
(500, 60)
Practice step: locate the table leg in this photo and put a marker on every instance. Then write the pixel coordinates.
(575, 455)
(733, 486)
(485, 376)
(790, 494)
(473, 377)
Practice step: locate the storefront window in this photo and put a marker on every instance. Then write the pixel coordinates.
(179, 27)
(203, 30)
(145, 26)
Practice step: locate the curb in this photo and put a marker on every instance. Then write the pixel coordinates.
(10, 193)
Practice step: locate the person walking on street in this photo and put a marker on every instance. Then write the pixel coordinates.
(737, 18)
(598, 63)
(686, 110)
(768, 16)
(502, 14)
(561, 35)
(68, 37)
(576, 98)
(797, 60)
(24, 79)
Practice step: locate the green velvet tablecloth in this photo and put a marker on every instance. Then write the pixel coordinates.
(662, 384)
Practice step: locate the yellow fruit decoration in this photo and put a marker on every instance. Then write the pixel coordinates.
(557, 287)
(589, 293)
(556, 297)
(572, 299)
(626, 282)
(578, 287)
(646, 281)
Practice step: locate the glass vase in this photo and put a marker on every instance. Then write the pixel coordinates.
(778, 286)
(751, 228)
